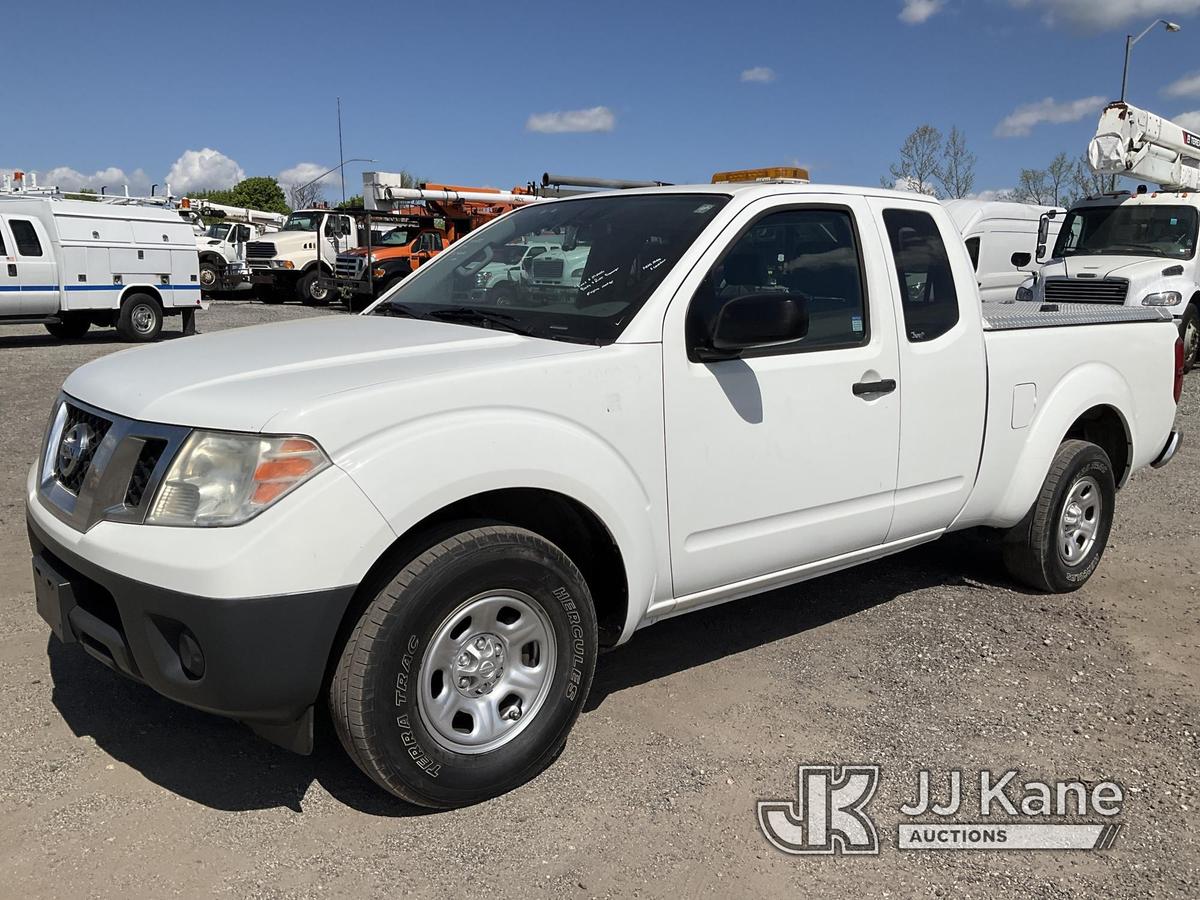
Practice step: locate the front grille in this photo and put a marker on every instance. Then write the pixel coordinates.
(547, 268)
(142, 470)
(260, 250)
(348, 266)
(1078, 290)
(81, 436)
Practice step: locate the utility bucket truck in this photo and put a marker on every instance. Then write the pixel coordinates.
(222, 238)
(1132, 249)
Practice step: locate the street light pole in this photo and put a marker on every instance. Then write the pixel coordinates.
(1130, 40)
(336, 168)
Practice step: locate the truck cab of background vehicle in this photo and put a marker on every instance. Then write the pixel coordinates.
(1001, 237)
(398, 245)
(1133, 249)
(499, 281)
(220, 245)
(291, 261)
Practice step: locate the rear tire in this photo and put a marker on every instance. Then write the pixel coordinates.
(310, 292)
(141, 319)
(71, 326)
(463, 677)
(210, 274)
(1058, 544)
(1189, 333)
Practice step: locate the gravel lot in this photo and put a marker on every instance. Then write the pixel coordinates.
(931, 659)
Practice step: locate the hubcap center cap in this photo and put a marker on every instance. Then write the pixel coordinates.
(1072, 515)
(479, 665)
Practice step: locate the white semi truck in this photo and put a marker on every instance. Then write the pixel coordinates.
(221, 242)
(1132, 248)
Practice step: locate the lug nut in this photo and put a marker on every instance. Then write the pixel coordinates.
(464, 660)
(463, 682)
(480, 643)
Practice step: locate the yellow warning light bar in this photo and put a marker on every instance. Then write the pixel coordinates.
(773, 173)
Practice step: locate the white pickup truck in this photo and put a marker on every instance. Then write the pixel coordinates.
(432, 517)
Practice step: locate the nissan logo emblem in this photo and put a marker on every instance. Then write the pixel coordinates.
(75, 447)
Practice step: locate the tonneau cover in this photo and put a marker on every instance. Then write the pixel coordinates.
(1009, 315)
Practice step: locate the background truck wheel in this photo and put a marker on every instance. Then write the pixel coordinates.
(1189, 332)
(270, 295)
(310, 292)
(1058, 544)
(70, 326)
(209, 275)
(462, 678)
(141, 319)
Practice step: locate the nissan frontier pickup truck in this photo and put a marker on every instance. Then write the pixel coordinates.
(431, 517)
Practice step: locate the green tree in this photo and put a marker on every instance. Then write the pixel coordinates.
(354, 202)
(261, 192)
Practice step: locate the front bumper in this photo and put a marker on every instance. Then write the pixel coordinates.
(348, 287)
(262, 659)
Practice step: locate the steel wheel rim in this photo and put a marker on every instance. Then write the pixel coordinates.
(1079, 521)
(1191, 338)
(317, 292)
(208, 277)
(487, 671)
(143, 319)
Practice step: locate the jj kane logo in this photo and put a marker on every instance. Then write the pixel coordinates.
(829, 814)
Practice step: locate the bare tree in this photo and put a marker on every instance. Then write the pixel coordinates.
(957, 170)
(1086, 181)
(302, 196)
(1033, 187)
(1058, 178)
(919, 167)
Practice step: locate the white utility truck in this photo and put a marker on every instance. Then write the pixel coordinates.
(72, 264)
(292, 261)
(1001, 237)
(221, 243)
(432, 516)
(1139, 248)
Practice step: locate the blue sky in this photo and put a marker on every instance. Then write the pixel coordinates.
(480, 93)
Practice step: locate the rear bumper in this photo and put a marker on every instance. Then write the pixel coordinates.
(263, 658)
(1168, 451)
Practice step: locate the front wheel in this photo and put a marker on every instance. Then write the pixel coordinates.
(1058, 544)
(210, 274)
(310, 290)
(462, 678)
(1189, 333)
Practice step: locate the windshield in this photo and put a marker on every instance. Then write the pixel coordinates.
(218, 230)
(1129, 229)
(614, 252)
(302, 222)
(397, 237)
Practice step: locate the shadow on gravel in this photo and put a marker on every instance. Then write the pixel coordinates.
(221, 764)
(97, 338)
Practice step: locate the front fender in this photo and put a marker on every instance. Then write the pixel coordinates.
(422, 466)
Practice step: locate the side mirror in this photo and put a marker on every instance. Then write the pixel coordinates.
(1020, 260)
(1044, 233)
(751, 322)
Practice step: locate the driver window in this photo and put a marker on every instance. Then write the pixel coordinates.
(809, 253)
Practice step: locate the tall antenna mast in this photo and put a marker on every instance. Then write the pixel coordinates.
(341, 155)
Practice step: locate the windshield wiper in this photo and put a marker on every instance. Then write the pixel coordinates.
(1149, 247)
(399, 310)
(485, 317)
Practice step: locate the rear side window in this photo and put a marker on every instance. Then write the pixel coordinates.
(25, 237)
(3, 251)
(973, 252)
(923, 271)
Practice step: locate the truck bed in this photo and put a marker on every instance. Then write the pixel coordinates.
(1011, 315)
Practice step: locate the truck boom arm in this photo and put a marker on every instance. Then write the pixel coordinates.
(1139, 144)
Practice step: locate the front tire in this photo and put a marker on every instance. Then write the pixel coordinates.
(1189, 333)
(210, 274)
(1058, 544)
(141, 319)
(310, 291)
(462, 678)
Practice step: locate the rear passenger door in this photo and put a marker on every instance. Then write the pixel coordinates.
(30, 265)
(943, 366)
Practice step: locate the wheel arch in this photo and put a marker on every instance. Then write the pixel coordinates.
(146, 289)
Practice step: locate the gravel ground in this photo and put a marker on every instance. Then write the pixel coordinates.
(931, 659)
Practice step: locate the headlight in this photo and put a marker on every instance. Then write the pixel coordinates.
(1025, 293)
(1164, 298)
(224, 478)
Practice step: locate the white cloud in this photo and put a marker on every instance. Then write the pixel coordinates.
(917, 11)
(1100, 14)
(65, 178)
(303, 173)
(207, 169)
(1188, 120)
(912, 186)
(597, 118)
(760, 74)
(1021, 121)
(1187, 86)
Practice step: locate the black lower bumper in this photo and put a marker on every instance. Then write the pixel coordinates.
(348, 287)
(260, 660)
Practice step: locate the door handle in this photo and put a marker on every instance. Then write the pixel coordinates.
(12, 269)
(864, 388)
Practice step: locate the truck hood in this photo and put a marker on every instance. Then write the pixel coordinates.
(1130, 267)
(239, 379)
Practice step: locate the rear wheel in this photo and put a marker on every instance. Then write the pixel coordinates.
(141, 319)
(70, 326)
(310, 291)
(210, 274)
(1189, 332)
(462, 678)
(1058, 544)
